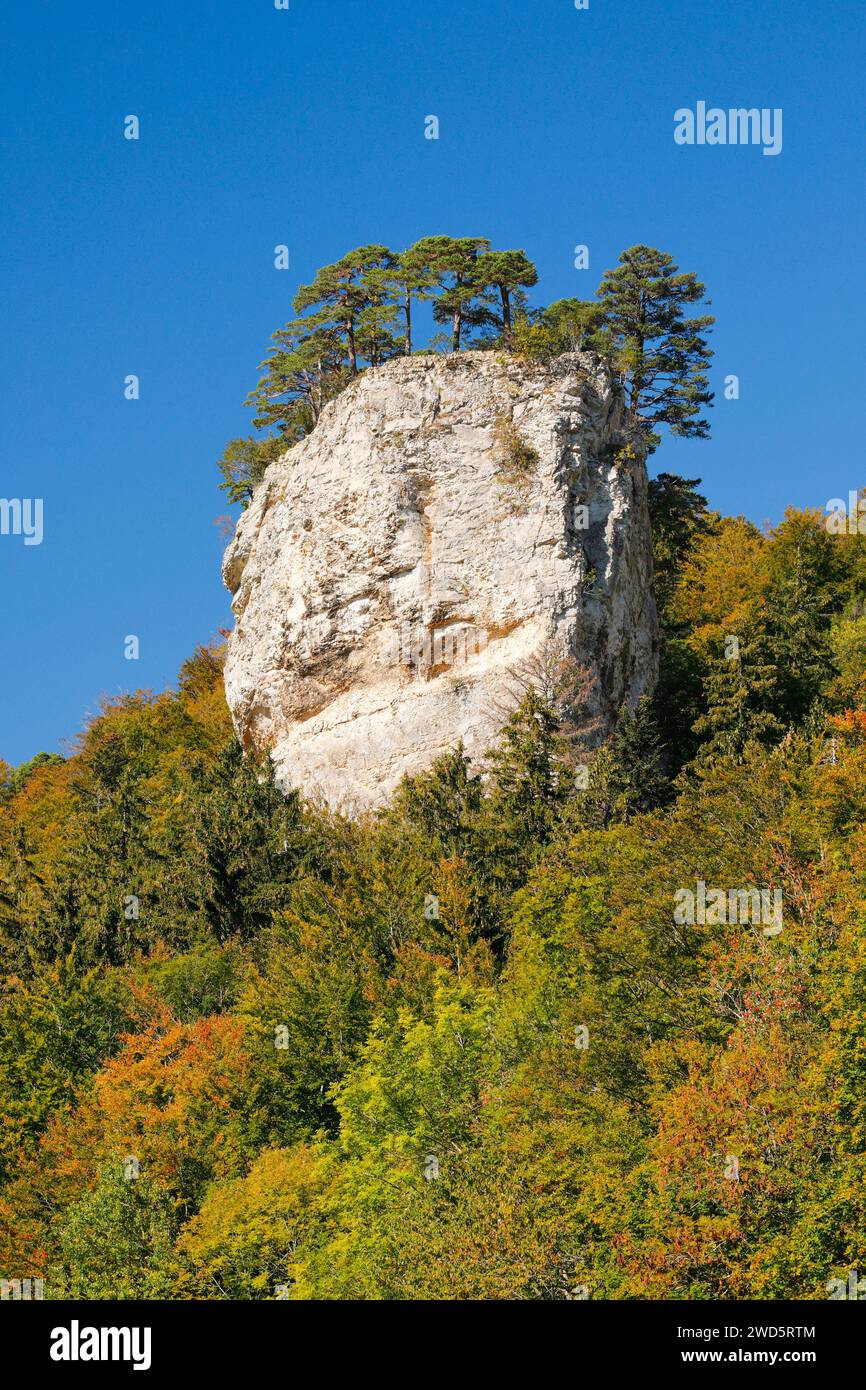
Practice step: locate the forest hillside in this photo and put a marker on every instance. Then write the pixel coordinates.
(576, 1025)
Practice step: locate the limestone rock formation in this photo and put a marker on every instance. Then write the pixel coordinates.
(452, 524)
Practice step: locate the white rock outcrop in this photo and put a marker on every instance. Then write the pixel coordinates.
(451, 521)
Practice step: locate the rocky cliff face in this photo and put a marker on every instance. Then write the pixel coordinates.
(453, 524)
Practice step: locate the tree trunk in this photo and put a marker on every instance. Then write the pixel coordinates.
(350, 338)
(506, 314)
(408, 323)
(458, 312)
(350, 326)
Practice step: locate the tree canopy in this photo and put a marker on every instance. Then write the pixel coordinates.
(359, 312)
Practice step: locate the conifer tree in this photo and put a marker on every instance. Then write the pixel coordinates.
(113, 867)
(528, 784)
(678, 519)
(627, 776)
(441, 803)
(678, 516)
(505, 272)
(742, 694)
(378, 321)
(638, 760)
(803, 592)
(661, 355)
(454, 262)
(413, 277)
(306, 368)
(340, 293)
(247, 841)
(21, 897)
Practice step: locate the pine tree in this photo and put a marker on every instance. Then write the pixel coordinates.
(413, 277)
(661, 355)
(306, 368)
(460, 302)
(378, 321)
(340, 293)
(505, 272)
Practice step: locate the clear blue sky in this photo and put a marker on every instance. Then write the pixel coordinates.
(305, 127)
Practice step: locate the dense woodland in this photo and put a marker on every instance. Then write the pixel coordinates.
(460, 1048)
(465, 1047)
